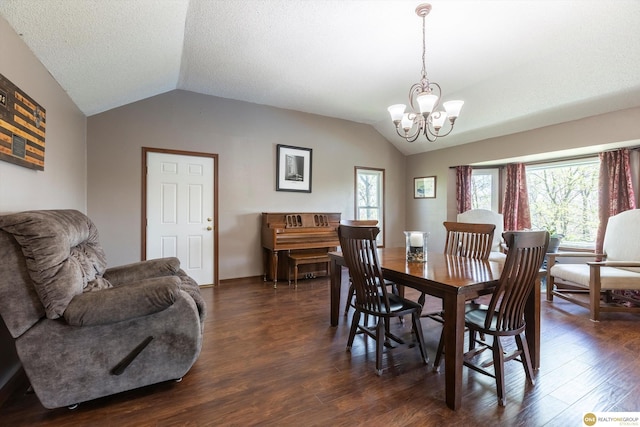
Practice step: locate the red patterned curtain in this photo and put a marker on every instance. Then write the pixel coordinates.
(463, 188)
(615, 189)
(516, 199)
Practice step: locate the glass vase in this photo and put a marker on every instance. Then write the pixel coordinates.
(416, 245)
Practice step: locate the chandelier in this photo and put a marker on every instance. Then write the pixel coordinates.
(426, 94)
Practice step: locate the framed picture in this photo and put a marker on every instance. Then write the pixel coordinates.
(293, 169)
(424, 187)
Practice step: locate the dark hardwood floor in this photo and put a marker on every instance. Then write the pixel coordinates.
(270, 358)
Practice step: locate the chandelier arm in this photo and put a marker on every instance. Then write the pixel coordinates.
(414, 137)
(411, 137)
(415, 90)
(439, 135)
(427, 132)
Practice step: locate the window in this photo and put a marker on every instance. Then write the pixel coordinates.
(563, 199)
(369, 193)
(484, 189)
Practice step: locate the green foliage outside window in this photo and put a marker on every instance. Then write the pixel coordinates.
(563, 199)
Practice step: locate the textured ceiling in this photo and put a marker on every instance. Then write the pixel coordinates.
(517, 64)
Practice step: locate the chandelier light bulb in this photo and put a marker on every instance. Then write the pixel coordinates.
(407, 122)
(426, 102)
(396, 111)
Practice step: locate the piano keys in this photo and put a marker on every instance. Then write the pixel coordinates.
(299, 233)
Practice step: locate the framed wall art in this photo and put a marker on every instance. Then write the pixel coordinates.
(22, 127)
(424, 187)
(293, 169)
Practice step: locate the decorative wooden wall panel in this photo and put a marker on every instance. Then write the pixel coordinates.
(22, 127)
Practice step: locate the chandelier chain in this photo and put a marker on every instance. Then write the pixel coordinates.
(424, 48)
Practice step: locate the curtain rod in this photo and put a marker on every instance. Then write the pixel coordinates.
(555, 160)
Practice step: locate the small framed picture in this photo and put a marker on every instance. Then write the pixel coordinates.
(424, 187)
(293, 169)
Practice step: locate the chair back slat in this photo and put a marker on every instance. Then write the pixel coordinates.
(360, 253)
(527, 250)
(468, 239)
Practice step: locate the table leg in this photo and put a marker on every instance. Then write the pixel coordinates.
(532, 320)
(335, 272)
(453, 305)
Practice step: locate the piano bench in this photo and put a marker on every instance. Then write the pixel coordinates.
(296, 259)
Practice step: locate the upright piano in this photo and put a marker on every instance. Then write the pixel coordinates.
(299, 233)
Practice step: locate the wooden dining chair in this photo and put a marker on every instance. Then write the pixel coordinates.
(504, 316)
(468, 240)
(360, 253)
(486, 216)
(351, 293)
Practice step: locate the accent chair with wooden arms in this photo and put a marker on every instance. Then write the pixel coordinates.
(619, 270)
(361, 257)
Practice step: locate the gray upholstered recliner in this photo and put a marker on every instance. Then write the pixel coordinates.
(83, 331)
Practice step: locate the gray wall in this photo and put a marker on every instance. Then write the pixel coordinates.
(63, 182)
(245, 137)
(597, 132)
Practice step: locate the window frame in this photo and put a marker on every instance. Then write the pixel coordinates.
(496, 185)
(380, 173)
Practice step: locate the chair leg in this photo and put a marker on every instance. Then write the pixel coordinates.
(417, 327)
(472, 339)
(521, 342)
(439, 352)
(498, 365)
(421, 299)
(380, 339)
(389, 336)
(349, 298)
(354, 328)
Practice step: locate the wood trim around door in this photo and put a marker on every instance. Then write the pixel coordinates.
(143, 220)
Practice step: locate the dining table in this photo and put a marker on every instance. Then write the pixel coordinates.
(455, 280)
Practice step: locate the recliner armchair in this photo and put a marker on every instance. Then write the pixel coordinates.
(84, 331)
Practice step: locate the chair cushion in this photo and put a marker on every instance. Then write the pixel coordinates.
(621, 237)
(477, 316)
(62, 253)
(610, 277)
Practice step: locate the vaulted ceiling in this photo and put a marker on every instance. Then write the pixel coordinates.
(517, 64)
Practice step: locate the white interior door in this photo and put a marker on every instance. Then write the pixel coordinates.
(180, 192)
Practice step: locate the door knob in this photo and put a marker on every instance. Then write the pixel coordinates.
(209, 219)
(209, 228)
